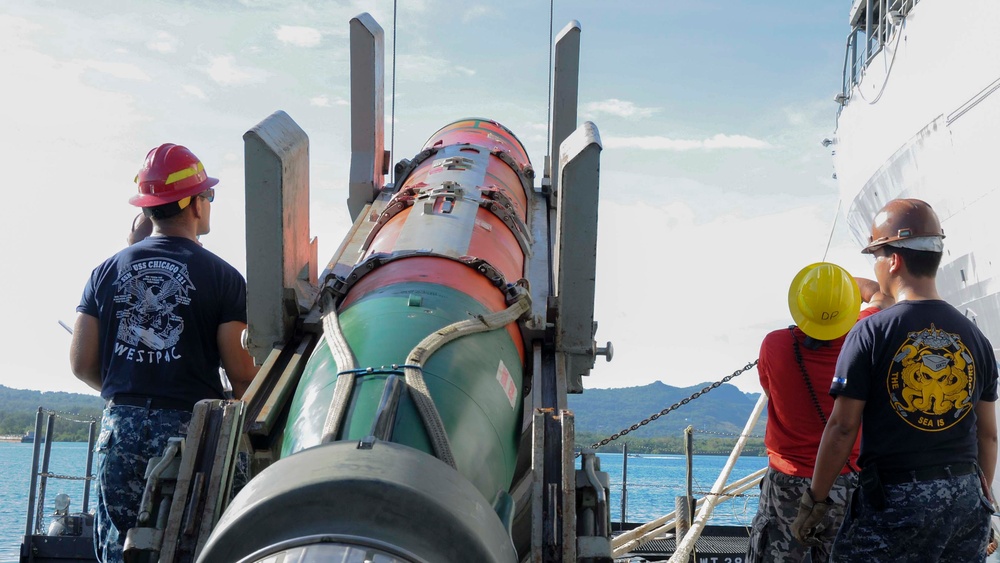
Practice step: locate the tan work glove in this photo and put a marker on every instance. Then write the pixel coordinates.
(807, 524)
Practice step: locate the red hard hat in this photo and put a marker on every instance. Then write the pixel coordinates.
(171, 173)
(906, 223)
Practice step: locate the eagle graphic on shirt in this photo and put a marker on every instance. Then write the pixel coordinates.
(931, 379)
(149, 292)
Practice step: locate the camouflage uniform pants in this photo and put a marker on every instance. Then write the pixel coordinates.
(942, 520)
(771, 538)
(130, 436)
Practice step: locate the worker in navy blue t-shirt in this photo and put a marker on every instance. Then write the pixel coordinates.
(920, 381)
(156, 322)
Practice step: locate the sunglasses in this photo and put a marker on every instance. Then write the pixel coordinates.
(208, 194)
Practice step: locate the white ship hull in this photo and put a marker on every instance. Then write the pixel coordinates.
(922, 120)
(933, 135)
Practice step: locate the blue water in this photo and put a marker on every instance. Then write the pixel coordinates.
(653, 482)
(67, 458)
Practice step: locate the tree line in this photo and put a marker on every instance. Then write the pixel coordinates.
(672, 445)
(18, 408)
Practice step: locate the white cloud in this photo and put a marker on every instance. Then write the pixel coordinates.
(324, 101)
(16, 31)
(162, 42)
(62, 124)
(118, 70)
(300, 36)
(224, 71)
(619, 108)
(194, 91)
(424, 68)
(478, 12)
(715, 142)
(671, 279)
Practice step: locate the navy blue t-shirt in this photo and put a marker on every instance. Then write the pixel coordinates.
(160, 303)
(921, 367)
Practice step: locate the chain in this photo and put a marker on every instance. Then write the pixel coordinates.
(728, 434)
(805, 375)
(69, 416)
(809, 386)
(67, 477)
(672, 407)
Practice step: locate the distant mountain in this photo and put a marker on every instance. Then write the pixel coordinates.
(601, 412)
(19, 406)
(607, 411)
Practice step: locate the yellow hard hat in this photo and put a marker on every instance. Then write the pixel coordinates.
(824, 300)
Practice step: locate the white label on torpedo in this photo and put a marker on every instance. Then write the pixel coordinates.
(507, 383)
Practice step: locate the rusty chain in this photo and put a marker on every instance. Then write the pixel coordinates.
(672, 407)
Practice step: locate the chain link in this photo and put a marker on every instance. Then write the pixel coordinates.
(69, 416)
(68, 477)
(728, 434)
(672, 407)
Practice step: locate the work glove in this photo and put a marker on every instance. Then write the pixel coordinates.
(807, 524)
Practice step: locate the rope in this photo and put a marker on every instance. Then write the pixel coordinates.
(413, 372)
(342, 355)
(833, 229)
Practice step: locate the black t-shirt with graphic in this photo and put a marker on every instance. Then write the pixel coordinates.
(921, 366)
(160, 303)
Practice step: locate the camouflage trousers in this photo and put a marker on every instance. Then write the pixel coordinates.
(771, 538)
(943, 520)
(129, 437)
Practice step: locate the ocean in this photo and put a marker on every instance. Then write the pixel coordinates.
(653, 483)
(67, 458)
(655, 480)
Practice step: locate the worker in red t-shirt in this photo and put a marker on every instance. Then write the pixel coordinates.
(825, 302)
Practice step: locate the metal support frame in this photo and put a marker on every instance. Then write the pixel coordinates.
(281, 270)
(565, 93)
(368, 158)
(593, 520)
(575, 254)
(187, 494)
(74, 542)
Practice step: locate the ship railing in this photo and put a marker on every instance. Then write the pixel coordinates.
(628, 541)
(874, 23)
(40, 467)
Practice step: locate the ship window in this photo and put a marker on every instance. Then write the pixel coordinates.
(962, 273)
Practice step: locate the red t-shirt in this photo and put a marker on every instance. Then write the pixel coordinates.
(794, 428)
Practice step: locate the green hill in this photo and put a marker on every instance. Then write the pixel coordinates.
(19, 406)
(717, 417)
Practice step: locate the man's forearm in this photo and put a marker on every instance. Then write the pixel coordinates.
(834, 450)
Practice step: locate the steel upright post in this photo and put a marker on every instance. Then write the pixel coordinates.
(29, 525)
(91, 439)
(624, 517)
(49, 421)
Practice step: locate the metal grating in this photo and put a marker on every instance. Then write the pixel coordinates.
(714, 542)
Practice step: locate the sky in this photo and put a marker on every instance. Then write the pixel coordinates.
(715, 188)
